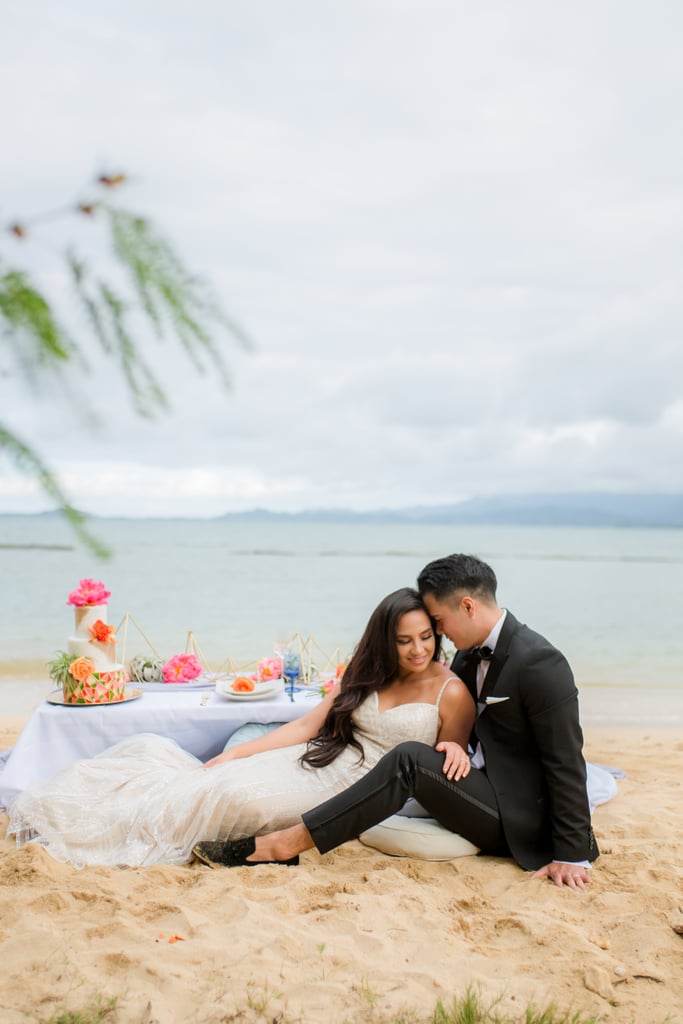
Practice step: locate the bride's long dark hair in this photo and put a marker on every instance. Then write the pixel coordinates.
(374, 666)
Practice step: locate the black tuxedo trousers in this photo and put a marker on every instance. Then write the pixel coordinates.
(467, 807)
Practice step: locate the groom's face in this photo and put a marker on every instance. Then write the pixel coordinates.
(454, 619)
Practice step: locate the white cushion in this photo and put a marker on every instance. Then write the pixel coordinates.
(422, 838)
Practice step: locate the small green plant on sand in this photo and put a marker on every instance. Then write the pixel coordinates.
(101, 1010)
(321, 949)
(366, 994)
(469, 1009)
(258, 999)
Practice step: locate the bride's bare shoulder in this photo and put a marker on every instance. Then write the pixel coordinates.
(455, 688)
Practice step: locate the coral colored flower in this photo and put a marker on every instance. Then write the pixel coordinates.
(81, 668)
(269, 668)
(102, 632)
(326, 687)
(181, 668)
(339, 671)
(243, 684)
(89, 592)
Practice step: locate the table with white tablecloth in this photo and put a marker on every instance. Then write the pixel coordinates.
(199, 720)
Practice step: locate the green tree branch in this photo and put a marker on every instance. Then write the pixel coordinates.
(161, 293)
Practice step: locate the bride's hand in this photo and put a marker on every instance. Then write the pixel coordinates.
(227, 755)
(456, 764)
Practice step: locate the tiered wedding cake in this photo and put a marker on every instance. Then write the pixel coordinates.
(88, 670)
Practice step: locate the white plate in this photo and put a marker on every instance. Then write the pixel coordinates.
(223, 683)
(262, 691)
(249, 696)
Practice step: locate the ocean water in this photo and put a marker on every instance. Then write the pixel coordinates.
(610, 599)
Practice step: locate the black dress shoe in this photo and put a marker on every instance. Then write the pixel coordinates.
(226, 854)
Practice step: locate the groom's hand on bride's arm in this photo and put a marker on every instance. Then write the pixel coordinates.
(456, 764)
(576, 876)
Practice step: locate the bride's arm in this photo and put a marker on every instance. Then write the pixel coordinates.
(457, 712)
(299, 731)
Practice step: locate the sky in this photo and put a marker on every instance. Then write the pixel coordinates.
(452, 230)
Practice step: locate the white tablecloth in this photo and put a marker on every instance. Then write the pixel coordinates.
(56, 736)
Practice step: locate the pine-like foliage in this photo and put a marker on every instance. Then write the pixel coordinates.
(152, 287)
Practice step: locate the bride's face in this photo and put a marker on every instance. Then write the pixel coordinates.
(414, 642)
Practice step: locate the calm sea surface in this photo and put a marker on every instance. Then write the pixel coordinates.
(610, 599)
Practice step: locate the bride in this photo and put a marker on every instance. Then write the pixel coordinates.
(146, 801)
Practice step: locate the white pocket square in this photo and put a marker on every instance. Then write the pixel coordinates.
(496, 700)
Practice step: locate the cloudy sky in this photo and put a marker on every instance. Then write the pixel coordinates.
(453, 230)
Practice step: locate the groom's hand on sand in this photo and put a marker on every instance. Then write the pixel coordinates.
(573, 875)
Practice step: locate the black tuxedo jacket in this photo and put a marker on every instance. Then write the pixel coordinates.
(528, 726)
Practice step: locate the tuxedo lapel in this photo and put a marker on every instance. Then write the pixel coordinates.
(467, 671)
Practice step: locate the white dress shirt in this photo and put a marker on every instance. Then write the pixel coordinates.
(482, 669)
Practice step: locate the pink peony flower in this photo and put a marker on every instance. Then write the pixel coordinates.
(269, 668)
(325, 687)
(181, 668)
(89, 592)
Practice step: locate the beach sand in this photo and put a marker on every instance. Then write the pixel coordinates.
(356, 935)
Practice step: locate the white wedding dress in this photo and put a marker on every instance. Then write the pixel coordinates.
(146, 801)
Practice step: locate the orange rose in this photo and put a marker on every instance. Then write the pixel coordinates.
(339, 671)
(243, 684)
(81, 668)
(102, 632)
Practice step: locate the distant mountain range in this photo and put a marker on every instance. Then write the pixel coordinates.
(588, 509)
(584, 509)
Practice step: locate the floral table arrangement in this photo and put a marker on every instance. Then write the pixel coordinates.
(146, 669)
(182, 668)
(329, 684)
(269, 668)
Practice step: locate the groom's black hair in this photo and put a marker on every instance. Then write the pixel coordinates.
(454, 573)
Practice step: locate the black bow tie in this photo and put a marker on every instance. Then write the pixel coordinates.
(477, 654)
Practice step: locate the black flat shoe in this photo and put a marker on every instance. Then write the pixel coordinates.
(226, 854)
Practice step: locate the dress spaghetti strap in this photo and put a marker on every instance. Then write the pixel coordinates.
(446, 682)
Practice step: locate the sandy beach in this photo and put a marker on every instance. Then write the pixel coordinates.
(357, 935)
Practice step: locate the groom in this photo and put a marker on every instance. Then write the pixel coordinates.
(525, 795)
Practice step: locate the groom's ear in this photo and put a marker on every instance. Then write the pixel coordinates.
(468, 604)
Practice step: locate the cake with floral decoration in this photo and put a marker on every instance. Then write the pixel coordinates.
(88, 671)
